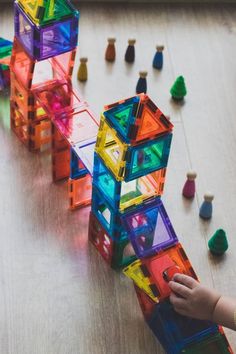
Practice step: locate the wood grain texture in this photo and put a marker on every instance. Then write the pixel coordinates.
(57, 295)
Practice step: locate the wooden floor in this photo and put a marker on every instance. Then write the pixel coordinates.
(57, 294)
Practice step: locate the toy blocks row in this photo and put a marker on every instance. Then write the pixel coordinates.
(128, 162)
(137, 119)
(36, 135)
(48, 40)
(42, 12)
(153, 274)
(116, 254)
(29, 72)
(123, 195)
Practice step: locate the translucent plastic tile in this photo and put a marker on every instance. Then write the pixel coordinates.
(80, 191)
(77, 168)
(100, 238)
(85, 151)
(117, 254)
(47, 41)
(107, 216)
(148, 157)
(215, 344)
(5, 48)
(146, 303)
(111, 149)
(137, 118)
(63, 65)
(175, 331)
(77, 127)
(129, 162)
(22, 65)
(123, 195)
(58, 98)
(45, 11)
(150, 229)
(151, 274)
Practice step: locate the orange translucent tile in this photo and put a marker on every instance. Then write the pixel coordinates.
(60, 164)
(22, 65)
(80, 191)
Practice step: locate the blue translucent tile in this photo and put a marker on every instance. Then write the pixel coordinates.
(77, 168)
(107, 216)
(175, 331)
(149, 228)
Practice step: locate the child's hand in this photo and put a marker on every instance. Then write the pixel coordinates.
(192, 299)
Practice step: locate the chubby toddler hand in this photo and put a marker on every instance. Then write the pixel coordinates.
(192, 299)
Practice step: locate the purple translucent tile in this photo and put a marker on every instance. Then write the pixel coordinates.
(46, 41)
(150, 229)
(2, 84)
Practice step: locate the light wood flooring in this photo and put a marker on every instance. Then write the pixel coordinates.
(57, 295)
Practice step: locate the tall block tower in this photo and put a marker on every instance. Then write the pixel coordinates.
(129, 224)
(45, 109)
(44, 47)
(131, 156)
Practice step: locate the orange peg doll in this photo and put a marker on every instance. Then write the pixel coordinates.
(110, 54)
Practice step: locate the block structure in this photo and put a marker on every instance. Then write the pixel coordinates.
(45, 109)
(5, 54)
(129, 224)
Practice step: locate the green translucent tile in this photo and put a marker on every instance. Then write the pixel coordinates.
(216, 344)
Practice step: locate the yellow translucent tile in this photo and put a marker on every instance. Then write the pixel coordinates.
(111, 149)
(134, 272)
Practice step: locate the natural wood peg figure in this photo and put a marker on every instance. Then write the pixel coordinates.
(158, 57)
(83, 71)
(142, 82)
(206, 207)
(130, 51)
(110, 54)
(189, 186)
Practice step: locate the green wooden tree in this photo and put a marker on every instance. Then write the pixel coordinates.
(178, 90)
(218, 243)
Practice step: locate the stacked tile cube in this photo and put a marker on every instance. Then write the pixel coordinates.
(130, 226)
(45, 109)
(5, 53)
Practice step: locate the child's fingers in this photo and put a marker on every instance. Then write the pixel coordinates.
(176, 301)
(179, 289)
(185, 280)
